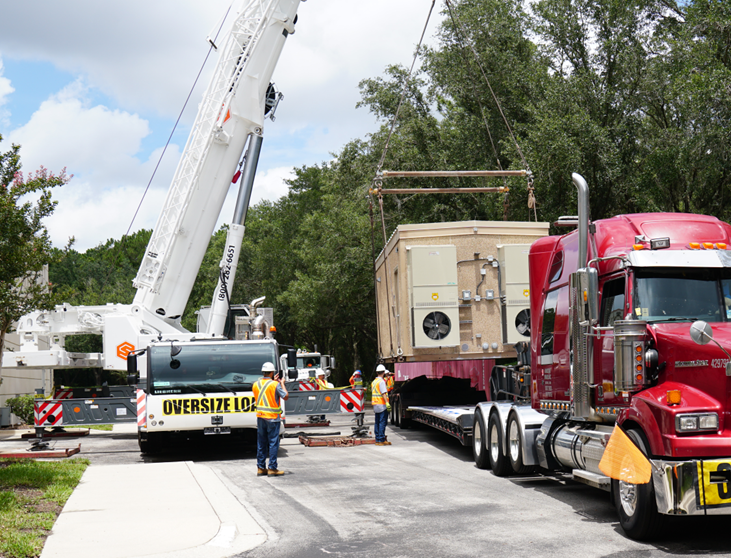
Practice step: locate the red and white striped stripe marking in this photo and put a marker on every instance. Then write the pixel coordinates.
(64, 394)
(352, 400)
(307, 386)
(47, 412)
(141, 408)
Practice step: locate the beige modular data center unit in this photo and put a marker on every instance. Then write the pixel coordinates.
(449, 291)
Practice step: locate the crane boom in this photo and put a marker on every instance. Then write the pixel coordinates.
(232, 112)
(233, 108)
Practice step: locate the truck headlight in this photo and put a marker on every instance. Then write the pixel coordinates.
(696, 422)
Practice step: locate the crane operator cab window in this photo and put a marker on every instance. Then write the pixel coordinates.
(685, 294)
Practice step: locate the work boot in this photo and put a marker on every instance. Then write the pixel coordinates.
(274, 472)
(380, 443)
(261, 472)
(386, 443)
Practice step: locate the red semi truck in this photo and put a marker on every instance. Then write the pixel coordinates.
(629, 319)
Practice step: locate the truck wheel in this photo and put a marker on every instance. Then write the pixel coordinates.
(498, 459)
(394, 414)
(515, 447)
(635, 503)
(479, 442)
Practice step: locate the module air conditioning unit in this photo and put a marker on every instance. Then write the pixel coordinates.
(514, 292)
(433, 296)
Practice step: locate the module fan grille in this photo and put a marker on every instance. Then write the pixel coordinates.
(437, 325)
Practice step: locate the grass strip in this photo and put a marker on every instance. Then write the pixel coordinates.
(32, 494)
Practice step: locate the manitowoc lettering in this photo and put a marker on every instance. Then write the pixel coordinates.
(206, 405)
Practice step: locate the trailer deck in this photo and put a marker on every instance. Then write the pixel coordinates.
(455, 420)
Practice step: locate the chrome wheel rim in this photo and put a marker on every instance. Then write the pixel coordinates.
(477, 437)
(494, 447)
(628, 497)
(514, 442)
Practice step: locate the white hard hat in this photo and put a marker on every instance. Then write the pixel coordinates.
(380, 368)
(267, 367)
(320, 372)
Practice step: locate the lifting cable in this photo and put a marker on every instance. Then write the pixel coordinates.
(182, 110)
(458, 25)
(378, 182)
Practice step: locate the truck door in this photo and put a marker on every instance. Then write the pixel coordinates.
(613, 308)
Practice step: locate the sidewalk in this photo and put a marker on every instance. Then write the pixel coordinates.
(156, 510)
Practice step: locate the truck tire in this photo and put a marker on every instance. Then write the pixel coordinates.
(395, 412)
(498, 459)
(515, 447)
(635, 503)
(480, 451)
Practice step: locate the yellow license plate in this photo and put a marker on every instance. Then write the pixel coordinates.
(714, 480)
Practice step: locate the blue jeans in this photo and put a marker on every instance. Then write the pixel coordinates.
(267, 443)
(380, 427)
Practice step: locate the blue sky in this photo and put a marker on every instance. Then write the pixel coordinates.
(96, 87)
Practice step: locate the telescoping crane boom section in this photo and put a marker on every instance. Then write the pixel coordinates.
(233, 109)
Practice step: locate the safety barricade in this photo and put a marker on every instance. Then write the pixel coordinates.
(325, 401)
(49, 413)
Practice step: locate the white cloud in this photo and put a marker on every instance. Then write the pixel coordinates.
(5, 90)
(66, 131)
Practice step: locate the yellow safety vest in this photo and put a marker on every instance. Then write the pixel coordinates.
(321, 384)
(266, 401)
(377, 398)
(356, 381)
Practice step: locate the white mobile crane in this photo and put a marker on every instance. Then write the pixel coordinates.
(190, 381)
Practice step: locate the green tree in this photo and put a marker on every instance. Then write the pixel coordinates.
(25, 247)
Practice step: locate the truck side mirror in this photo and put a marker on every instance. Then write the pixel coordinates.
(291, 358)
(131, 369)
(332, 362)
(701, 332)
(588, 295)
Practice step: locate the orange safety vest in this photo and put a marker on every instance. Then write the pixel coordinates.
(321, 384)
(389, 383)
(265, 391)
(377, 398)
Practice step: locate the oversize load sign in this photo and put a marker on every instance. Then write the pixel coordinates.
(208, 405)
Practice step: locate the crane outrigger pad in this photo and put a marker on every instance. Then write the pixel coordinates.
(336, 441)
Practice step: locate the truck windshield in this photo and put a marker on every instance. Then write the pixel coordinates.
(683, 295)
(308, 362)
(207, 368)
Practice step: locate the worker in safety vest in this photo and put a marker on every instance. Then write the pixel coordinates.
(356, 380)
(381, 405)
(268, 393)
(389, 383)
(320, 380)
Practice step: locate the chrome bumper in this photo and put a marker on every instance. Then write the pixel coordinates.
(700, 487)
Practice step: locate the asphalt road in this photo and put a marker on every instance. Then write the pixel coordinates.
(421, 497)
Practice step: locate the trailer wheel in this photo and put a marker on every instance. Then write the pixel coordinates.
(498, 459)
(515, 447)
(395, 412)
(479, 442)
(635, 503)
